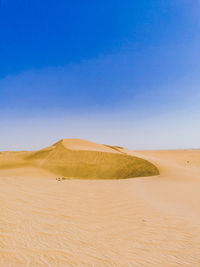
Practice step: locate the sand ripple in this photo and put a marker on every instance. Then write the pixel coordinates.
(151, 221)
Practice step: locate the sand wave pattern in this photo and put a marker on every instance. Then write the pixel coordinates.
(152, 221)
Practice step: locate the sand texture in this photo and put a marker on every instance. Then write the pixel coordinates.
(151, 221)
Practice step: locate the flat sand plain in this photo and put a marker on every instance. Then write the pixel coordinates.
(151, 221)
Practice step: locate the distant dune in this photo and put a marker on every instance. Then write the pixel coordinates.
(76, 158)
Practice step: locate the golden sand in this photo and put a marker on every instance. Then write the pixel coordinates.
(76, 158)
(152, 221)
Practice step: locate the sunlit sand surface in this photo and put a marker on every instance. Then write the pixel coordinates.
(151, 221)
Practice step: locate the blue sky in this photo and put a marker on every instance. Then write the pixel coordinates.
(118, 72)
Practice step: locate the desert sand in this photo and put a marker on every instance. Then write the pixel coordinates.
(77, 158)
(145, 221)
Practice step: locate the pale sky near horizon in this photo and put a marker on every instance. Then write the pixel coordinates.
(115, 72)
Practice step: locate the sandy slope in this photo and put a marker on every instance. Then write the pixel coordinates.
(152, 221)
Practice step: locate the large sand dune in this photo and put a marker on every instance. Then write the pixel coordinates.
(76, 158)
(152, 221)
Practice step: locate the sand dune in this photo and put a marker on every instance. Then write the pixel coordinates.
(152, 221)
(76, 158)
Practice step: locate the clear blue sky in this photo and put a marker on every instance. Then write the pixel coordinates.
(119, 72)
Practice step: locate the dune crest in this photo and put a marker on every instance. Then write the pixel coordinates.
(80, 144)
